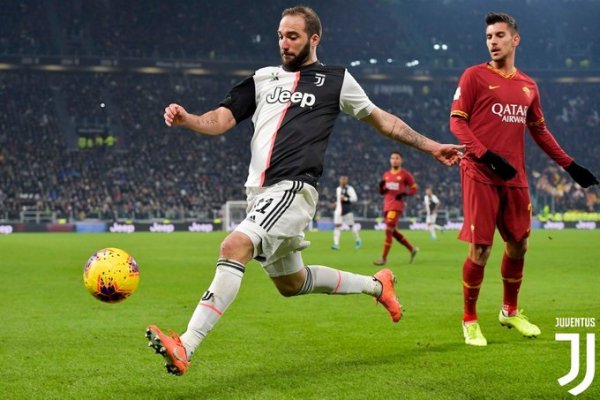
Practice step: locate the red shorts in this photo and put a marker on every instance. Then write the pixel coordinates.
(391, 218)
(486, 207)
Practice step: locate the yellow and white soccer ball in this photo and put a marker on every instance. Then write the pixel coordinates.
(111, 275)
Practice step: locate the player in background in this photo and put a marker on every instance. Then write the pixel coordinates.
(293, 108)
(492, 106)
(396, 184)
(345, 195)
(432, 205)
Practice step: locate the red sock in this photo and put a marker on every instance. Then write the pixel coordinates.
(402, 239)
(387, 244)
(512, 276)
(472, 278)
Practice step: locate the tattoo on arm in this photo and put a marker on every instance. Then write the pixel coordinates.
(393, 127)
(406, 135)
(207, 122)
(211, 123)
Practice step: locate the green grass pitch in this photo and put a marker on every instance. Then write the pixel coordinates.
(57, 341)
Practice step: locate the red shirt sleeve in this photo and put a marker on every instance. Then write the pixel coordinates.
(460, 112)
(460, 128)
(411, 185)
(542, 136)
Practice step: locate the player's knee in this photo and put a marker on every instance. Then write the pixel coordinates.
(479, 253)
(517, 250)
(237, 246)
(290, 285)
(288, 290)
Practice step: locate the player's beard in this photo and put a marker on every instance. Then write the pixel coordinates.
(298, 59)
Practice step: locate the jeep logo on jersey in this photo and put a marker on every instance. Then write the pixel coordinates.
(511, 112)
(283, 96)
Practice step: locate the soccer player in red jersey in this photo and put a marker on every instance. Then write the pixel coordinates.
(493, 104)
(396, 184)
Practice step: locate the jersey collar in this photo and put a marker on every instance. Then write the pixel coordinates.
(502, 74)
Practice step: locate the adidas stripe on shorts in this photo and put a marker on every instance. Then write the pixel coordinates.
(276, 218)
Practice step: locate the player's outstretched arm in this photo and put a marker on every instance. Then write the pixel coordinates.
(213, 122)
(393, 127)
(545, 139)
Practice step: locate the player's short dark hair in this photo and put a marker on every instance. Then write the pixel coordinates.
(311, 19)
(494, 17)
(396, 152)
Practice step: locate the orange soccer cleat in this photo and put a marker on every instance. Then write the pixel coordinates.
(170, 348)
(388, 296)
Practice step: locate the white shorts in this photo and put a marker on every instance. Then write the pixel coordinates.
(431, 218)
(276, 218)
(339, 219)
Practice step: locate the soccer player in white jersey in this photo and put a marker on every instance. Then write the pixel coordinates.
(345, 196)
(432, 205)
(293, 108)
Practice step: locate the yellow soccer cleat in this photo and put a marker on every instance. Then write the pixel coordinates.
(473, 335)
(521, 323)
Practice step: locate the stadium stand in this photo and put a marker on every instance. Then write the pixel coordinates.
(86, 144)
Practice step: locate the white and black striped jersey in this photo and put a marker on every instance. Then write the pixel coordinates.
(293, 114)
(345, 196)
(431, 203)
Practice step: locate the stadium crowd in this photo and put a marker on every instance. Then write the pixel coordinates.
(150, 171)
(231, 30)
(156, 172)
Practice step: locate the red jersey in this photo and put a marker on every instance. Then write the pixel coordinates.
(395, 183)
(490, 110)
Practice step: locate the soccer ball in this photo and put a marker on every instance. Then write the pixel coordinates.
(111, 275)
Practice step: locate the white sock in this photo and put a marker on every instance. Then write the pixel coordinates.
(336, 236)
(321, 279)
(355, 230)
(214, 302)
(432, 231)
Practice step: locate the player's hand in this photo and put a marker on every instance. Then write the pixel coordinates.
(449, 154)
(581, 175)
(175, 115)
(400, 196)
(499, 165)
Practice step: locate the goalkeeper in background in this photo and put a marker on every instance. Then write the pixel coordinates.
(492, 106)
(395, 185)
